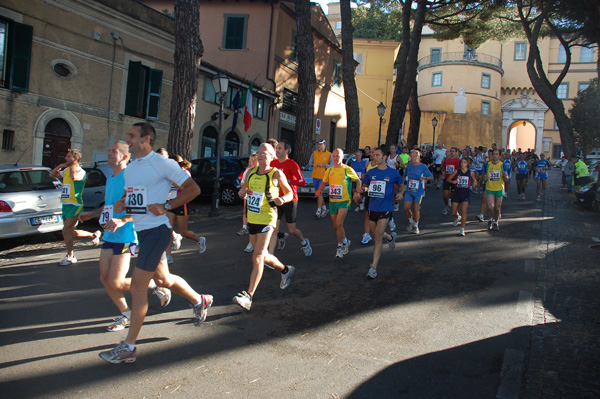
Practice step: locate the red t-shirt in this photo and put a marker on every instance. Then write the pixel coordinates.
(450, 165)
(294, 175)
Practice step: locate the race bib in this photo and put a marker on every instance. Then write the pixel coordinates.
(449, 169)
(66, 191)
(462, 181)
(106, 215)
(377, 189)
(413, 185)
(541, 169)
(359, 174)
(335, 191)
(136, 200)
(254, 201)
(494, 175)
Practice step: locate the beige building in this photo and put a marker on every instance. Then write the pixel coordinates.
(79, 73)
(479, 96)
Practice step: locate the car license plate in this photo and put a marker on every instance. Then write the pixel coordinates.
(44, 220)
(304, 189)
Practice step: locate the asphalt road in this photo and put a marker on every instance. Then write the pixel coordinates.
(447, 316)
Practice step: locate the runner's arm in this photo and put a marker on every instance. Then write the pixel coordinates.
(282, 182)
(189, 191)
(449, 179)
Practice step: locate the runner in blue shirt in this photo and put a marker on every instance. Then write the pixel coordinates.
(507, 166)
(522, 168)
(384, 185)
(360, 167)
(415, 176)
(542, 166)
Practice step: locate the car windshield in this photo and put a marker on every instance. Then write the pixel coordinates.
(26, 180)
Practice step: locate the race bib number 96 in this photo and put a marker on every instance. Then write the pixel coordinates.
(136, 201)
(377, 189)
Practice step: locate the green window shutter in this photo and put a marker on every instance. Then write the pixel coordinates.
(154, 86)
(135, 89)
(235, 33)
(21, 57)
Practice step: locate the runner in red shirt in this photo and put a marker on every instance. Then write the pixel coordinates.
(295, 178)
(449, 166)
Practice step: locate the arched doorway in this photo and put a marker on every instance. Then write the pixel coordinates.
(57, 141)
(521, 134)
(232, 145)
(208, 148)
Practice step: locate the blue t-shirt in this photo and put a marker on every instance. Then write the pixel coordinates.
(360, 167)
(381, 188)
(542, 167)
(507, 166)
(115, 188)
(412, 175)
(522, 167)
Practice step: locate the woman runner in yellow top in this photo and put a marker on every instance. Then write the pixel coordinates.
(261, 192)
(340, 178)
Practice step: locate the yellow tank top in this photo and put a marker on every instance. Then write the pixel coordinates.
(495, 180)
(320, 157)
(71, 189)
(259, 201)
(370, 166)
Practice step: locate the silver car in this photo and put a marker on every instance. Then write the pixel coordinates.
(308, 191)
(29, 201)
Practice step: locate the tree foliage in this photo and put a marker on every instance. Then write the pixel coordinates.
(586, 119)
(377, 20)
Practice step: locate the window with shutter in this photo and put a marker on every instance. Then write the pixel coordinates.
(142, 98)
(15, 54)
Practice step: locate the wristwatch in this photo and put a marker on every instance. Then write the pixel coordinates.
(167, 206)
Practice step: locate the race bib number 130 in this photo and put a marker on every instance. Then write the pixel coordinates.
(136, 201)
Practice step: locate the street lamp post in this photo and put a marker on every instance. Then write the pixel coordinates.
(220, 83)
(434, 123)
(381, 112)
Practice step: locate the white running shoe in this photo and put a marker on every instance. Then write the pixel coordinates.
(96, 239)
(392, 224)
(415, 230)
(119, 323)
(68, 260)
(318, 213)
(480, 217)
(366, 238)
(456, 221)
(362, 206)
(462, 232)
(538, 199)
(445, 211)
(243, 231)
(281, 241)
(409, 227)
(249, 248)
(372, 273)
(176, 241)
(202, 245)
(392, 242)
(307, 248)
(339, 252)
(396, 207)
(163, 294)
(243, 299)
(357, 209)
(286, 278)
(346, 247)
(324, 212)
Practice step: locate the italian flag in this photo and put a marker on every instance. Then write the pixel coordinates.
(248, 108)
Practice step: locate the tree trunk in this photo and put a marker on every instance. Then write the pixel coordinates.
(406, 67)
(544, 88)
(350, 92)
(412, 137)
(307, 84)
(188, 51)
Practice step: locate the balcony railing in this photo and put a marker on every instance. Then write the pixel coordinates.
(460, 58)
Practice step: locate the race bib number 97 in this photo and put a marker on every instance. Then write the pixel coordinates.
(377, 189)
(136, 201)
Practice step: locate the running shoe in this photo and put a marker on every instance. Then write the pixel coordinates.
(118, 354)
(362, 206)
(339, 252)
(497, 226)
(243, 299)
(396, 207)
(357, 209)
(176, 241)
(169, 259)
(164, 295)
(306, 248)
(409, 227)
(392, 225)
(462, 232)
(68, 260)
(366, 238)
(346, 247)
(286, 278)
(324, 212)
(282, 241)
(120, 323)
(445, 211)
(96, 239)
(480, 217)
(392, 242)
(524, 196)
(372, 273)
(202, 245)
(415, 230)
(456, 221)
(201, 310)
(242, 232)
(318, 213)
(249, 248)
(490, 223)
(538, 199)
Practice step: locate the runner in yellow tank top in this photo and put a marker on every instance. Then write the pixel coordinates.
(340, 178)
(261, 192)
(495, 177)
